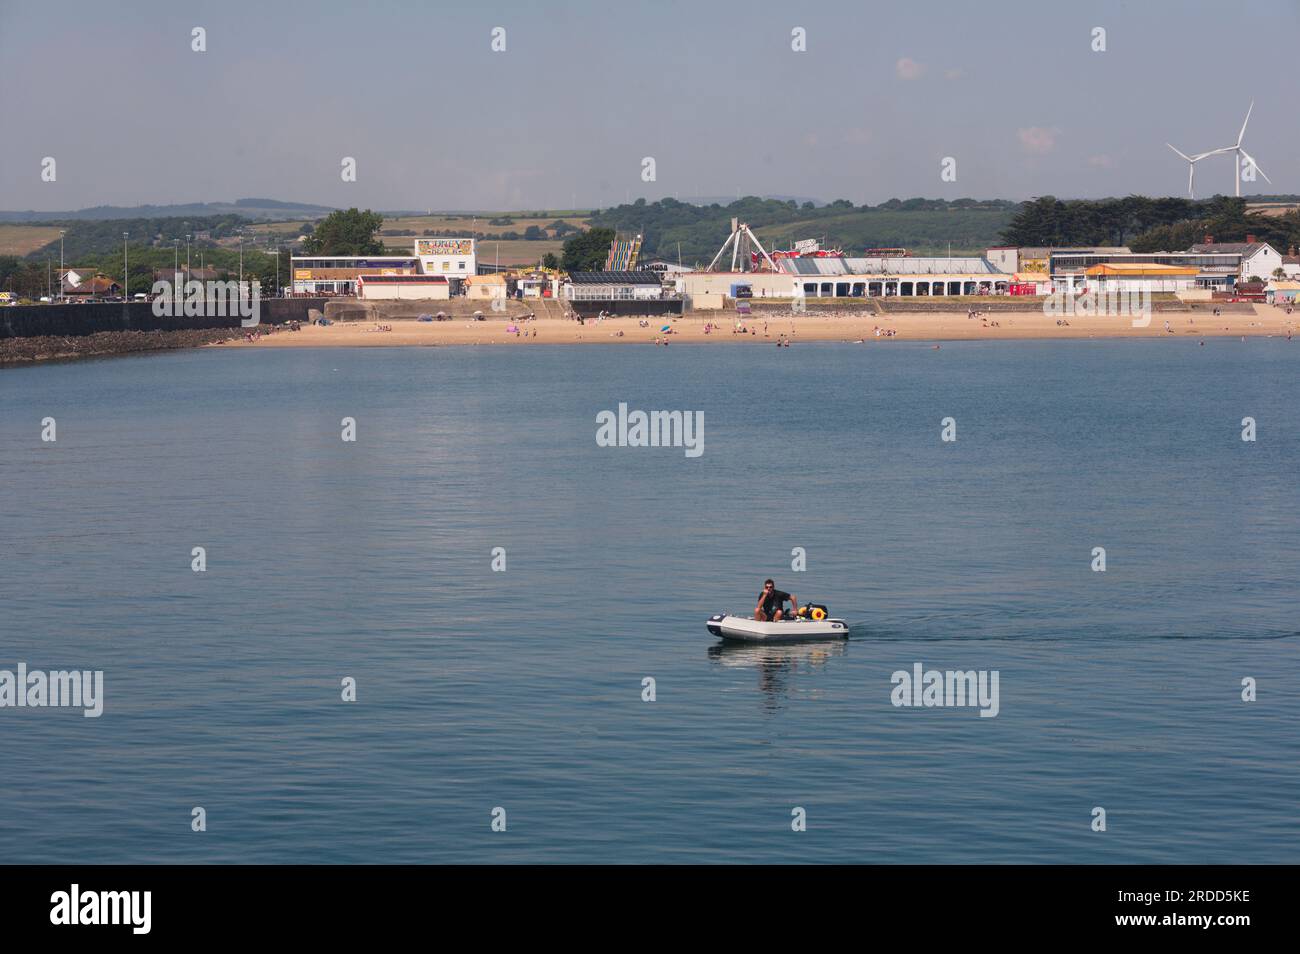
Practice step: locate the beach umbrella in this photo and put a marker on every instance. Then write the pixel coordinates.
(665, 328)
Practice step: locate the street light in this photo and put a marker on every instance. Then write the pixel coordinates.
(62, 274)
(126, 276)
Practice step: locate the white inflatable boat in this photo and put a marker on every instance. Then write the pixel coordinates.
(749, 630)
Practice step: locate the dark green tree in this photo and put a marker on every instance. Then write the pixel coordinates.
(588, 251)
(349, 232)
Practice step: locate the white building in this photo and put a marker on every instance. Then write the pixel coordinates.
(339, 274)
(452, 259)
(1258, 259)
(403, 287)
(449, 257)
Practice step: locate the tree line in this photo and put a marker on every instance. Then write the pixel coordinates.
(1147, 224)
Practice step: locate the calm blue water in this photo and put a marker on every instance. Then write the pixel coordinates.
(522, 689)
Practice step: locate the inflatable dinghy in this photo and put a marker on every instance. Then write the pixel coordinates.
(811, 623)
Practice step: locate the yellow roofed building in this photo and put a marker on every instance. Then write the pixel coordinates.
(1140, 276)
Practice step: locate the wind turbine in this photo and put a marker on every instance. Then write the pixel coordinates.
(1191, 167)
(1234, 148)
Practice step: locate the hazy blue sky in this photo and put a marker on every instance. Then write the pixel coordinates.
(711, 90)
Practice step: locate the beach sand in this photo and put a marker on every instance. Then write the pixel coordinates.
(1265, 320)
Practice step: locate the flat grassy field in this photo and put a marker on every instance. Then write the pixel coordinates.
(281, 229)
(23, 239)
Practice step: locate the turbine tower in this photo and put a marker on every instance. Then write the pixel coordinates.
(1243, 154)
(1191, 168)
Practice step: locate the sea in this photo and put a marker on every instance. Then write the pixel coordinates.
(473, 633)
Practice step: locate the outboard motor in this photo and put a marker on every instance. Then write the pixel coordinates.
(815, 611)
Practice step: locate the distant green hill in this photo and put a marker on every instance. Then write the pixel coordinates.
(255, 209)
(923, 226)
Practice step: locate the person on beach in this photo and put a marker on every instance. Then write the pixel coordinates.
(771, 603)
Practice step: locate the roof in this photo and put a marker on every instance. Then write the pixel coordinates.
(90, 286)
(615, 278)
(352, 259)
(1139, 268)
(402, 279)
(1245, 249)
(1046, 250)
(898, 265)
(1284, 286)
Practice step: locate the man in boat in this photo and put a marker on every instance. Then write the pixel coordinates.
(771, 603)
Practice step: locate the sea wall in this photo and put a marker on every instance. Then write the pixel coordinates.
(652, 308)
(27, 321)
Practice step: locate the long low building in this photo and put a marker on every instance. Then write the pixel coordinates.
(620, 293)
(835, 276)
(1219, 271)
(451, 258)
(1139, 276)
(338, 274)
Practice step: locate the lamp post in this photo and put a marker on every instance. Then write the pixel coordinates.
(62, 274)
(126, 276)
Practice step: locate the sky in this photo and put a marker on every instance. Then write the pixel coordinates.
(583, 93)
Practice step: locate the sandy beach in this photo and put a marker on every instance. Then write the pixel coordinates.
(1263, 320)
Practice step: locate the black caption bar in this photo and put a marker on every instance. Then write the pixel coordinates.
(140, 904)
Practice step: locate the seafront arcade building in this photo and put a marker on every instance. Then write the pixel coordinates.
(452, 259)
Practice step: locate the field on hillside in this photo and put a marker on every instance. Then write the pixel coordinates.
(455, 222)
(279, 229)
(1272, 209)
(512, 251)
(23, 239)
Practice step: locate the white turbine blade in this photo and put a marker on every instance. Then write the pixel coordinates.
(1242, 135)
(1212, 152)
(1251, 160)
(1187, 157)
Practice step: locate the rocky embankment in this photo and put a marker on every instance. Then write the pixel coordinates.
(19, 351)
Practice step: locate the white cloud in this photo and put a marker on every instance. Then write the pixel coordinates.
(908, 69)
(1038, 140)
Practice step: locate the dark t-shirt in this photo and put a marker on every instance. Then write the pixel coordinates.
(775, 600)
